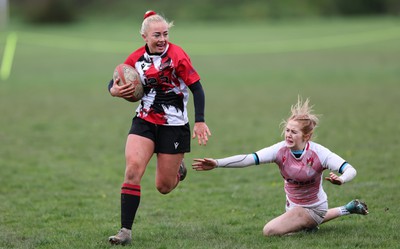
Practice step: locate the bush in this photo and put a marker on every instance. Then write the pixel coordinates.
(64, 11)
(48, 11)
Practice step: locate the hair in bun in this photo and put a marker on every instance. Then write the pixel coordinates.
(151, 16)
(149, 13)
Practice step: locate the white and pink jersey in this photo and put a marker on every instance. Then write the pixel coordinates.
(303, 175)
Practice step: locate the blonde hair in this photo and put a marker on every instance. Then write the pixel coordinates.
(302, 112)
(150, 17)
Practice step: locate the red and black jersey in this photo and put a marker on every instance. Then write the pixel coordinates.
(165, 78)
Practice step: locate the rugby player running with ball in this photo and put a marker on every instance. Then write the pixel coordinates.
(161, 124)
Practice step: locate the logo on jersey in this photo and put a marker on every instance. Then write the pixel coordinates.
(165, 64)
(310, 161)
(176, 144)
(145, 65)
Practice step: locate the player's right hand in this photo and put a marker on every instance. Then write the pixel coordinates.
(123, 91)
(204, 164)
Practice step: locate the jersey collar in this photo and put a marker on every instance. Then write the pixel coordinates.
(148, 56)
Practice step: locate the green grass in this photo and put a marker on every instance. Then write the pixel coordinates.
(62, 136)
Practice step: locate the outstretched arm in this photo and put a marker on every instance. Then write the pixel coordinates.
(238, 161)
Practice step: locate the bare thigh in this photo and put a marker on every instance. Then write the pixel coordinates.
(167, 171)
(293, 220)
(138, 152)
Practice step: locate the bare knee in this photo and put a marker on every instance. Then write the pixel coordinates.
(269, 230)
(276, 227)
(164, 189)
(165, 185)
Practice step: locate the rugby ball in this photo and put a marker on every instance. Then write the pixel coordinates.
(128, 75)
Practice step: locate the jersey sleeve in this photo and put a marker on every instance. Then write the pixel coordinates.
(199, 101)
(268, 154)
(185, 69)
(134, 56)
(333, 162)
(329, 159)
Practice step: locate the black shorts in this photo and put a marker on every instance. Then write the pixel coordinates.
(167, 139)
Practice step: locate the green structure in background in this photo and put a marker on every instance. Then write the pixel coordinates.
(58, 11)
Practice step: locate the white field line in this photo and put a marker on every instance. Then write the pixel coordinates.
(226, 48)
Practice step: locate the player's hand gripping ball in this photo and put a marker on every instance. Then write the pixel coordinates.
(128, 75)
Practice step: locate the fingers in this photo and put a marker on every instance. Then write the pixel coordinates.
(127, 91)
(203, 164)
(334, 179)
(198, 164)
(123, 91)
(116, 81)
(202, 132)
(197, 168)
(202, 137)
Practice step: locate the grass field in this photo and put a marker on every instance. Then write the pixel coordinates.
(62, 136)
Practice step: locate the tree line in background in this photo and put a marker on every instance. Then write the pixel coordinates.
(63, 11)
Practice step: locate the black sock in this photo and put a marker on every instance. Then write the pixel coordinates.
(130, 199)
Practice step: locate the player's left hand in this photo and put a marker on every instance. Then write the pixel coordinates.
(334, 179)
(201, 131)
